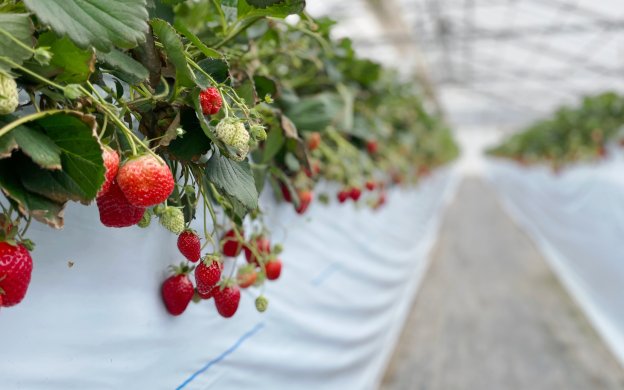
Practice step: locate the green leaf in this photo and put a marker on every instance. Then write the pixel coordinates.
(247, 92)
(69, 62)
(97, 23)
(208, 52)
(7, 145)
(317, 112)
(193, 143)
(274, 142)
(127, 67)
(275, 9)
(36, 145)
(175, 51)
(39, 147)
(265, 86)
(41, 208)
(54, 185)
(20, 26)
(263, 3)
(81, 153)
(234, 178)
(217, 69)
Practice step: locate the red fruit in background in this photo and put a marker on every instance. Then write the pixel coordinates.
(381, 200)
(115, 210)
(15, 271)
(372, 146)
(423, 171)
(273, 269)
(227, 300)
(343, 195)
(207, 275)
(285, 192)
(355, 193)
(190, 245)
(602, 151)
(261, 245)
(111, 163)
(305, 198)
(371, 185)
(210, 101)
(230, 246)
(246, 277)
(314, 141)
(177, 291)
(145, 181)
(315, 169)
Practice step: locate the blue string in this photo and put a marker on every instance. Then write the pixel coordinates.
(228, 351)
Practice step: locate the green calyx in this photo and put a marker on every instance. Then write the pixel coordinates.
(145, 219)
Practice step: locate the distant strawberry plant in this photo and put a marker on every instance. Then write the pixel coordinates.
(571, 134)
(155, 109)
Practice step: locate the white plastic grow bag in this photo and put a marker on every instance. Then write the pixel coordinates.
(576, 218)
(348, 279)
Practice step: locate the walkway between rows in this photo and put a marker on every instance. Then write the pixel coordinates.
(492, 315)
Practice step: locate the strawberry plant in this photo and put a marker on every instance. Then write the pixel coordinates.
(572, 134)
(185, 110)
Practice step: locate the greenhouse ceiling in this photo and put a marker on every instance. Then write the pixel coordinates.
(494, 63)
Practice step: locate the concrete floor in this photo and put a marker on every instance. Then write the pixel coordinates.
(491, 314)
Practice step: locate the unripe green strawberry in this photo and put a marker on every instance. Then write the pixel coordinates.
(233, 133)
(8, 94)
(261, 304)
(172, 218)
(258, 132)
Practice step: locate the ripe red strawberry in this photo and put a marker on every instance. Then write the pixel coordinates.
(305, 198)
(381, 200)
(15, 271)
(115, 210)
(227, 299)
(285, 192)
(372, 146)
(177, 292)
(343, 195)
(261, 245)
(210, 101)
(315, 169)
(246, 276)
(355, 193)
(273, 269)
(111, 163)
(207, 274)
(314, 141)
(145, 180)
(189, 245)
(207, 295)
(371, 185)
(230, 246)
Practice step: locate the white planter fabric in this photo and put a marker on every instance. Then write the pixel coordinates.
(577, 220)
(334, 316)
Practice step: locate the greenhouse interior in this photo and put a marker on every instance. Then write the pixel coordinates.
(291, 194)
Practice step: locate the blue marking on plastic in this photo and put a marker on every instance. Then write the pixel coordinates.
(225, 353)
(325, 274)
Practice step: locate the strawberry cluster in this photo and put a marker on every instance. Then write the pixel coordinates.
(129, 189)
(210, 283)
